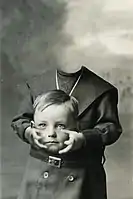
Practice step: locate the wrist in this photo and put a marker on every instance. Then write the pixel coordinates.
(27, 133)
(83, 139)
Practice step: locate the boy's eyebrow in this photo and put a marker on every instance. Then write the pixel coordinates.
(60, 121)
(42, 122)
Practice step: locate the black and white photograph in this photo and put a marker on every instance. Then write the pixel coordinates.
(66, 99)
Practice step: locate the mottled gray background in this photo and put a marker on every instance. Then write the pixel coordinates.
(38, 34)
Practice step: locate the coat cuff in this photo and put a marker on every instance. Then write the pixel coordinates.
(93, 137)
(20, 131)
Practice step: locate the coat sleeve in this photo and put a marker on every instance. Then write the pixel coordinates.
(25, 114)
(107, 127)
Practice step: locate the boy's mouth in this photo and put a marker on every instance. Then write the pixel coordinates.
(51, 142)
(48, 142)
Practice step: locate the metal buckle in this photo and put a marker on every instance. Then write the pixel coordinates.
(54, 161)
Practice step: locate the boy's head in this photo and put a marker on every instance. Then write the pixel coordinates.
(53, 111)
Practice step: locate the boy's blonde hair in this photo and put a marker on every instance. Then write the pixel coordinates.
(56, 97)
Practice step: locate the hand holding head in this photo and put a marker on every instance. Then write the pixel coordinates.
(76, 141)
(54, 111)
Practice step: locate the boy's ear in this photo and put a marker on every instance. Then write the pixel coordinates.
(32, 124)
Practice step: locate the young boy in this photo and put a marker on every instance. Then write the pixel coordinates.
(50, 175)
(55, 111)
(98, 121)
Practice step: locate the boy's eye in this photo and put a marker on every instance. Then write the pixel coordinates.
(42, 125)
(61, 126)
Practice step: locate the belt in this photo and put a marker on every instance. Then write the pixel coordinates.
(62, 162)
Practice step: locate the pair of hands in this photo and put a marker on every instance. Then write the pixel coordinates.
(76, 140)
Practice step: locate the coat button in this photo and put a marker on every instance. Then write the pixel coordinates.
(71, 178)
(45, 175)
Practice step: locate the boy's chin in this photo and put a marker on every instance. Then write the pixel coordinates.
(54, 149)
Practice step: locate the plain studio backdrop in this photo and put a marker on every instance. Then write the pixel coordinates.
(37, 35)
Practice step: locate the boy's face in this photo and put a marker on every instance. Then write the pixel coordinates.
(50, 122)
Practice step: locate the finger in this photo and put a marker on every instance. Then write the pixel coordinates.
(36, 135)
(70, 141)
(32, 124)
(31, 139)
(39, 144)
(65, 150)
(68, 131)
(32, 142)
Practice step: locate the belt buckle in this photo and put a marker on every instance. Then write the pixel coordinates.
(54, 161)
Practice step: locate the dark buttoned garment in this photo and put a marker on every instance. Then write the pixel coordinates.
(98, 121)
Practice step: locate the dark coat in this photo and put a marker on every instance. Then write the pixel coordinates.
(98, 118)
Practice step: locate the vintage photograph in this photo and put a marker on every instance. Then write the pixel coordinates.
(66, 99)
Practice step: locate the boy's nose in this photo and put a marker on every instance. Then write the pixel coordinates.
(52, 133)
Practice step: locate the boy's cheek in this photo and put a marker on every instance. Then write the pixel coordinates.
(64, 136)
(41, 133)
(41, 140)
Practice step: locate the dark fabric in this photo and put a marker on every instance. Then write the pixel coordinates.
(66, 160)
(42, 181)
(99, 122)
(66, 81)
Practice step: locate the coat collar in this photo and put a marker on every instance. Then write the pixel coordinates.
(89, 88)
